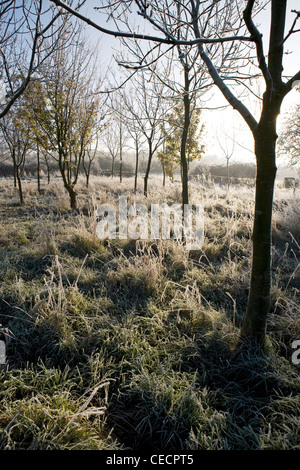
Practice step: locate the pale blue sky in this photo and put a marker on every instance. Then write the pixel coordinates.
(226, 121)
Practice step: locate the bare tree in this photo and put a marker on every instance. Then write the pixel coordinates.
(17, 144)
(28, 100)
(88, 158)
(240, 18)
(90, 143)
(123, 102)
(137, 138)
(181, 89)
(110, 139)
(28, 36)
(146, 110)
(121, 131)
(63, 112)
(226, 144)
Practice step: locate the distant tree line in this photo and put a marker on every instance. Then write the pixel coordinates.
(237, 170)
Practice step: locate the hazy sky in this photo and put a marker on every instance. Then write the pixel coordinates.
(226, 122)
(229, 121)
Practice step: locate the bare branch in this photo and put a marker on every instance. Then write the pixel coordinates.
(291, 83)
(247, 15)
(293, 30)
(167, 40)
(230, 97)
(23, 33)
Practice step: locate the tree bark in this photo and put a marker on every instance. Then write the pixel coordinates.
(148, 168)
(87, 178)
(121, 169)
(228, 177)
(73, 197)
(38, 169)
(121, 155)
(47, 166)
(265, 136)
(186, 125)
(164, 174)
(87, 171)
(18, 176)
(254, 324)
(113, 168)
(48, 170)
(136, 166)
(15, 176)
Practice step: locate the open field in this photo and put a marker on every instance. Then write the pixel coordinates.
(132, 345)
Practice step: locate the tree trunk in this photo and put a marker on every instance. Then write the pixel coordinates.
(121, 170)
(184, 175)
(19, 185)
(164, 174)
(113, 168)
(73, 196)
(38, 169)
(48, 169)
(186, 125)
(136, 166)
(121, 155)
(254, 324)
(228, 177)
(15, 176)
(148, 168)
(87, 174)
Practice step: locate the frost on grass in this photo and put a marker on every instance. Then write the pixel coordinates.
(124, 344)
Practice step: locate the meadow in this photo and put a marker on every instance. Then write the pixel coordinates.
(134, 344)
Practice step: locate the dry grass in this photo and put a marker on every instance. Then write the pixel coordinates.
(123, 344)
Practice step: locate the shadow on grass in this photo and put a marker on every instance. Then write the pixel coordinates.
(223, 404)
(33, 265)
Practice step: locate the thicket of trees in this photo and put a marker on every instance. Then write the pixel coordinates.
(65, 122)
(61, 113)
(237, 170)
(211, 43)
